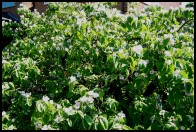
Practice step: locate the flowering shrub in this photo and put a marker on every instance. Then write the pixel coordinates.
(87, 66)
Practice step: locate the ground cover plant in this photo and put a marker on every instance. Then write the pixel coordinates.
(89, 67)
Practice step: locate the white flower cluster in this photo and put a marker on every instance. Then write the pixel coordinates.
(152, 118)
(121, 114)
(136, 74)
(167, 53)
(80, 21)
(4, 61)
(143, 74)
(27, 95)
(58, 106)
(137, 49)
(46, 127)
(45, 98)
(88, 99)
(152, 72)
(77, 105)
(92, 94)
(72, 79)
(170, 36)
(58, 119)
(182, 128)
(121, 77)
(120, 51)
(176, 73)
(188, 94)
(4, 23)
(3, 113)
(143, 62)
(37, 125)
(78, 74)
(68, 110)
(168, 62)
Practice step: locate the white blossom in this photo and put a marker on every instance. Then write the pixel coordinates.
(182, 128)
(170, 36)
(152, 72)
(168, 62)
(97, 50)
(4, 61)
(45, 98)
(78, 74)
(152, 118)
(11, 127)
(83, 99)
(95, 95)
(46, 127)
(77, 105)
(90, 99)
(90, 93)
(172, 42)
(13, 120)
(69, 41)
(68, 110)
(120, 50)
(51, 101)
(66, 49)
(3, 113)
(188, 94)
(37, 125)
(13, 99)
(72, 79)
(121, 77)
(57, 48)
(137, 49)
(176, 73)
(167, 53)
(143, 62)
(58, 106)
(123, 65)
(121, 114)
(172, 31)
(27, 95)
(87, 52)
(58, 119)
(136, 74)
(70, 46)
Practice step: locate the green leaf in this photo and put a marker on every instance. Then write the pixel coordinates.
(116, 64)
(166, 41)
(40, 107)
(80, 113)
(29, 101)
(69, 122)
(184, 74)
(11, 85)
(89, 120)
(103, 123)
(188, 87)
(171, 68)
(132, 64)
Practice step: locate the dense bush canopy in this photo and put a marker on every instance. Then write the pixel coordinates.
(87, 66)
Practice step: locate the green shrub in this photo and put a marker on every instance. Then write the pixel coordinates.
(87, 66)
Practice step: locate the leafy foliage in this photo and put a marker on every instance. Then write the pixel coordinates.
(87, 66)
